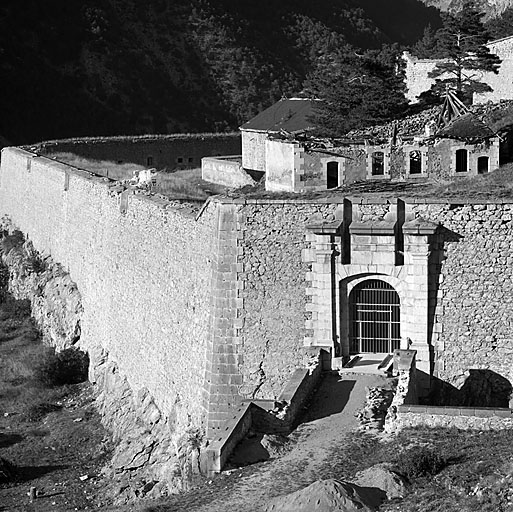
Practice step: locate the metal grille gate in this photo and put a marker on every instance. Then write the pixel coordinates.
(375, 318)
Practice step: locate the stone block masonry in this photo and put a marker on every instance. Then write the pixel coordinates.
(206, 311)
(172, 152)
(144, 275)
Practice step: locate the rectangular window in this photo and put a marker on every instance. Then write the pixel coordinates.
(179, 160)
(415, 162)
(378, 163)
(149, 161)
(461, 160)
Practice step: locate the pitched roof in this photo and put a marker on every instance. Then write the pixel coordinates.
(291, 115)
(467, 126)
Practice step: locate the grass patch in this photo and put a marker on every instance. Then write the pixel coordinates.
(186, 185)
(107, 168)
(496, 184)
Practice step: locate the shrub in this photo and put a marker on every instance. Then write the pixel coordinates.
(7, 471)
(419, 461)
(38, 411)
(69, 366)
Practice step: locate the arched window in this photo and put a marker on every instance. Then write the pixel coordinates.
(378, 163)
(461, 160)
(415, 162)
(374, 318)
(483, 165)
(332, 175)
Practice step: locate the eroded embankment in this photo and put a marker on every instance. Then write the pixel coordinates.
(151, 457)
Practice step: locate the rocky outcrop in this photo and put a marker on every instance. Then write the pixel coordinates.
(55, 300)
(154, 456)
(384, 478)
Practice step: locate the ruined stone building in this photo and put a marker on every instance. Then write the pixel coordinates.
(418, 81)
(278, 146)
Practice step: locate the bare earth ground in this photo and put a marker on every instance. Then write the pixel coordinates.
(50, 451)
(319, 450)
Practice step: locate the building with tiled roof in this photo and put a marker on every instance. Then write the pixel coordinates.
(291, 115)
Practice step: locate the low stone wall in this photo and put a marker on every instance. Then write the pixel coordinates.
(465, 418)
(276, 417)
(229, 436)
(172, 152)
(226, 170)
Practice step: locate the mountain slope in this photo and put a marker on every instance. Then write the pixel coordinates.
(101, 67)
(492, 8)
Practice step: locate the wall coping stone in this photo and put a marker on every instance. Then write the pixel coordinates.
(361, 200)
(481, 412)
(157, 200)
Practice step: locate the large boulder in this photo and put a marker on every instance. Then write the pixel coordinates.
(384, 478)
(328, 496)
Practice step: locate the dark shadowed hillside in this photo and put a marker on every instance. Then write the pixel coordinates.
(102, 67)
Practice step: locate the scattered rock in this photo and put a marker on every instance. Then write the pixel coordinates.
(377, 402)
(276, 446)
(384, 478)
(328, 496)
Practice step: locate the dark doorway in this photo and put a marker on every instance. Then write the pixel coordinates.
(375, 318)
(461, 160)
(483, 165)
(332, 175)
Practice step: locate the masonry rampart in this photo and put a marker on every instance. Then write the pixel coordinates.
(274, 294)
(205, 312)
(472, 297)
(172, 152)
(144, 275)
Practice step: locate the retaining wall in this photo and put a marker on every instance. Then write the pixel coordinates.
(465, 418)
(173, 152)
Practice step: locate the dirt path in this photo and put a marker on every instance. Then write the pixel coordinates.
(318, 445)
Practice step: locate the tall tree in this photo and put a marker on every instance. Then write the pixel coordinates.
(357, 90)
(461, 42)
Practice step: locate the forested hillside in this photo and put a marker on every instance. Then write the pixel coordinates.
(101, 67)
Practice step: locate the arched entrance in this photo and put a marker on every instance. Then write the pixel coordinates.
(374, 322)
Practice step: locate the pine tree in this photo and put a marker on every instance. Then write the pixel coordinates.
(357, 90)
(462, 42)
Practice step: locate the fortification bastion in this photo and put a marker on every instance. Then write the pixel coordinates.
(200, 309)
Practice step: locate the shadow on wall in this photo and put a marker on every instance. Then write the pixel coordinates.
(436, 258)
(482, 388)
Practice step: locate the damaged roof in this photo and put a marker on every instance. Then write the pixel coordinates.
(467, 126)
(291, 115)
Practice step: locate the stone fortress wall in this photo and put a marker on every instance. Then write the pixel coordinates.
(205, 310)
(173, 152)
(142, 266)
